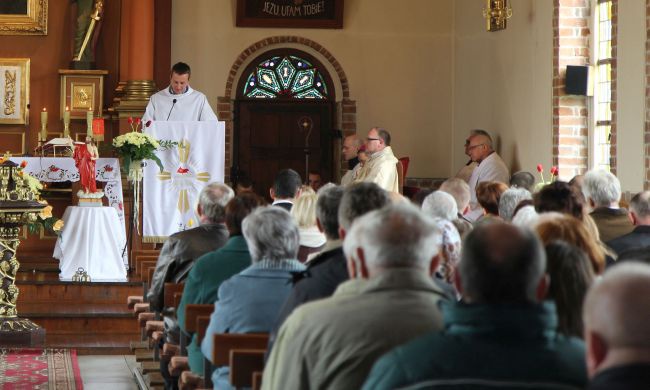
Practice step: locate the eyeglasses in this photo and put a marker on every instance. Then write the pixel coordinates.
(473, 146)
(372, 139)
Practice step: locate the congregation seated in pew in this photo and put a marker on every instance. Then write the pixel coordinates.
(250, 301)
(318, 345)
(213, 268)
(332, 343)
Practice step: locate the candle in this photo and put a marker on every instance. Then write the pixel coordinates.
(44, 124)
(89, 121)
(66, 122)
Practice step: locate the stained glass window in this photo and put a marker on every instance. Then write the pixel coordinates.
(285, 77)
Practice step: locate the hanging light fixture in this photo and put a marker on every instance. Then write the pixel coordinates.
(496, 14)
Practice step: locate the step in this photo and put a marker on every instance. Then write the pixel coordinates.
(143, 355)
(66, 318)
(105, 344)
(154, 379)
(45, 291)
(149, 366)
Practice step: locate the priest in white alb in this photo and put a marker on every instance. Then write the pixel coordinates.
(179, 102)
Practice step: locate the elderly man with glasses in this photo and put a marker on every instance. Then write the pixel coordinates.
(490, 168)
(381, 167)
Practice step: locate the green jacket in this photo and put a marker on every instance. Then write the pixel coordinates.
(202, 285)
(486, 346)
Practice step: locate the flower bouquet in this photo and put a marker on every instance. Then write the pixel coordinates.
(45, 218)
(136, 146)
(554, 174)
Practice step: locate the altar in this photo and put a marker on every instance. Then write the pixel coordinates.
(93, 238)
(60, 169)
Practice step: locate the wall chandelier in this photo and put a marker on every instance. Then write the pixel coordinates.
(496, 13)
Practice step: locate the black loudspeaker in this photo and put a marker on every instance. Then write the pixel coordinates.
(577, 80)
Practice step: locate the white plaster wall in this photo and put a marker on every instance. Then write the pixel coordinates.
(631, 94)
(397, 56)
(503, 82)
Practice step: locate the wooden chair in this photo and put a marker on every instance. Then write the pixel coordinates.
(400, 177)
(243, 363)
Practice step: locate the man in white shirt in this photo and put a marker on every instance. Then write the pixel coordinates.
(381, 167)
(179, 102)
(351, 145)
(490, 168)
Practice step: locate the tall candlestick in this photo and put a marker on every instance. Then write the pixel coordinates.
(44, 124)
(66, 122)
(89, 121)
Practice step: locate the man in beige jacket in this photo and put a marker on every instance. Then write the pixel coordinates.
(390, 299)
(381, 167)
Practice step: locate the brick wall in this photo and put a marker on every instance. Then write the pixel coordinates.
(570, 113)
(346, 117)
(646, 149)
(612, 150)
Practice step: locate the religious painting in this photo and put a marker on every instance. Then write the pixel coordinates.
(290, 13)
(23, 17)
(14, 90)
(82, 91)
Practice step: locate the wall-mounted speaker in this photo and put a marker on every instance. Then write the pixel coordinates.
(577, 80)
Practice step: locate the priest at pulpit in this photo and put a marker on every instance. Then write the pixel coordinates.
(179, 102)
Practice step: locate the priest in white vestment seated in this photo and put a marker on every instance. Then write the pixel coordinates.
(179, 102)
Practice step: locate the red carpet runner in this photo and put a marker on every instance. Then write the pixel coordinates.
(39, 369)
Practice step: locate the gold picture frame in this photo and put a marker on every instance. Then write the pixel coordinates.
(23, 17)
(14, 90)
(81, 91)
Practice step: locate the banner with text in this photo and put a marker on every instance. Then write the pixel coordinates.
(193, 155)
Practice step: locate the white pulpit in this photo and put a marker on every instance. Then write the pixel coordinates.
(93, 239)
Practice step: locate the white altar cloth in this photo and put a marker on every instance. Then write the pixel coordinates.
(92, 238)
(58, 169)
(169, 197)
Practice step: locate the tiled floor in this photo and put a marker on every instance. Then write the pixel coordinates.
(114, 372)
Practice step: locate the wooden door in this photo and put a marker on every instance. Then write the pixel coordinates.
(274, 135)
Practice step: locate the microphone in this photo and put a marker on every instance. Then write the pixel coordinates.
(170, 110)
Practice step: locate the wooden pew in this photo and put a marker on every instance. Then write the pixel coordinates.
(136, 255)
(257, 380)
(243, 363)
(192, 312)
(169, 289)
(223, 343)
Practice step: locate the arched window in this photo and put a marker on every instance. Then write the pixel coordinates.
(285, 77)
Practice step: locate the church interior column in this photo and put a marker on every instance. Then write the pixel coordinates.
(139, 26)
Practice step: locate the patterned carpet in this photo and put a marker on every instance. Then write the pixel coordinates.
(39, 369)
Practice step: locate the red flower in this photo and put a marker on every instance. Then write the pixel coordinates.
(108, 168)
(130, 120)
(137, 121)
(54, 168)
(555, 171)
(540, 168)
(23, 164)
(148, 123)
